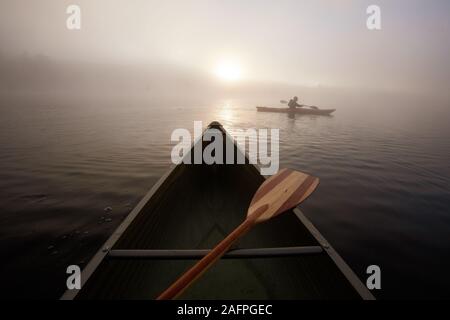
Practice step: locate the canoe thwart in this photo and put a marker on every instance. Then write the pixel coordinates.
(200, 253)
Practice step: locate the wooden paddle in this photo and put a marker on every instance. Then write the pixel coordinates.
(276, 195)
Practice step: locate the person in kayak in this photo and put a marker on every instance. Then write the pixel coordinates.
(293, 103)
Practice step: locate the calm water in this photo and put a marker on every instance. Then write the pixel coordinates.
(384, 196)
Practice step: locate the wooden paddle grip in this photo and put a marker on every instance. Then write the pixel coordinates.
(201, 266)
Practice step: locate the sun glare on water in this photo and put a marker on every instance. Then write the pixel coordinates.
(229, 71)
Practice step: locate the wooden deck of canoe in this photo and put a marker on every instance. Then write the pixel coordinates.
(190, 210)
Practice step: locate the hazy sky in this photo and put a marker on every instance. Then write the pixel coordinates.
(300, 42)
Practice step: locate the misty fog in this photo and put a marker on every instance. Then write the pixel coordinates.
(166, 50)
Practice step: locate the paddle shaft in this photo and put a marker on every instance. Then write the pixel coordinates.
(303, 105)
(201, 266)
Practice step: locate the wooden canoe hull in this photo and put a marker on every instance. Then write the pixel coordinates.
(319, 112)
(196, 206)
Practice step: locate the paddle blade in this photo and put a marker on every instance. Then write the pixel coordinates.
(281, 192)
(283, 101)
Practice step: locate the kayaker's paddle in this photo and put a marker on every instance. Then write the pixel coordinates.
(303, 105)
(276, 195)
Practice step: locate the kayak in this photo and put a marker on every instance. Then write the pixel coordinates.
(324, 112)
(187, 212)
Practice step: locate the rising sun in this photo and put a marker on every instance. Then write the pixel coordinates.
(228, 70)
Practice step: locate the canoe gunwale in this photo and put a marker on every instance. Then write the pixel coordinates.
(105, 249)
(106, 252)
(348, 273)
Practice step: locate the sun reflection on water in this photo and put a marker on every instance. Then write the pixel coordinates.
(226, 113)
